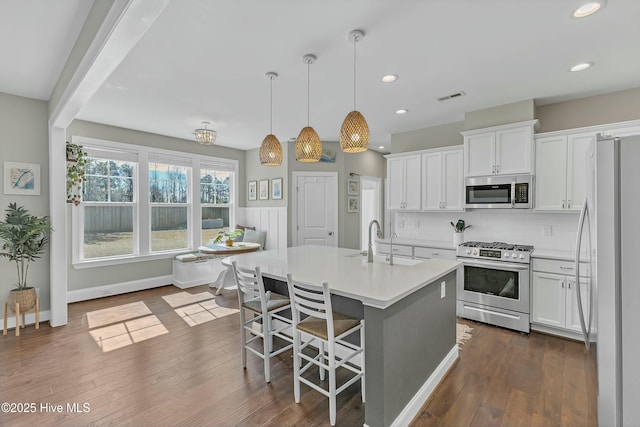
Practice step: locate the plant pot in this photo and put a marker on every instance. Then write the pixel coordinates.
(458, 239)
(229, 242)
(25, 297)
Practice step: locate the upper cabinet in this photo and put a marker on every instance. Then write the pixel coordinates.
(404, 173)
(442, 180)
(561, 170)
(499, 150)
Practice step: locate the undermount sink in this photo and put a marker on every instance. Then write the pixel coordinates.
(382, 259)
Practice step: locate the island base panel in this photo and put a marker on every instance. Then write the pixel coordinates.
(405, 343)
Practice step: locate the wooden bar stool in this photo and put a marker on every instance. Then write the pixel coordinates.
(265, 307)
(16, 310)
(328, 330)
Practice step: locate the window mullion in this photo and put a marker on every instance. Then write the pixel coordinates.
(144, 208)
(196, 209)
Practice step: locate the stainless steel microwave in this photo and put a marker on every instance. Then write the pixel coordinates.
(499, 192)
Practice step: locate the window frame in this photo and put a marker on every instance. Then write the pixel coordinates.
(143, 206)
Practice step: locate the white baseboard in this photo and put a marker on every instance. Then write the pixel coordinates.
(415, 404)
(576, 336)
(30, 319)
(118, 288)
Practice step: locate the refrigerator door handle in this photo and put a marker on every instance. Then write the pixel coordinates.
(586, 326)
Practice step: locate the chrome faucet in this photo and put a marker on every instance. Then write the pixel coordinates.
(391, 251)
(370, 251)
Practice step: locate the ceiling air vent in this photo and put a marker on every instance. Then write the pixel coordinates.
(453, 95)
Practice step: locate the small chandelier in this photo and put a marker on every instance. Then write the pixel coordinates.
(271, 150)
(308, 145)
(354, 133)
(205, 136)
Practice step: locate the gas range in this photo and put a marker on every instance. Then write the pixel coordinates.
(496, 251)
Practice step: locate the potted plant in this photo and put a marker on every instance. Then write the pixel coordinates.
(458, 231)
(227, 236)
(76, 162)
(25, 237)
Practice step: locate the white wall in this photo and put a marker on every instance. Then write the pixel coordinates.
(511, 226)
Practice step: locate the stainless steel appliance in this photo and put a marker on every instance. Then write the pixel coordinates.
(502, 192)
(495, 285)
(617, 204)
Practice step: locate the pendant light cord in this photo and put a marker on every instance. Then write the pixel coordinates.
(308, 92)
(355, 41)
(271, 107)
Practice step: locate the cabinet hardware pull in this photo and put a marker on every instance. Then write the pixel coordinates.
(569, 204)
(497, 168)
(566, 268)
(493, 169)
(563, 204)
(562, 283)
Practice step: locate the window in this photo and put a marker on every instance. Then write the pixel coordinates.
(216, 189)
(148, 203)
(169, 198)
(108, 204)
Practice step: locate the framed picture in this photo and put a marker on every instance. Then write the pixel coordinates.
(253, 190)
(264, 189)
(276, 189)
(353, 204)
(21, 178)
(353, 186)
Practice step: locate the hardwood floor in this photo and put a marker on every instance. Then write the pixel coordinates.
(505, 378)
(167, 366)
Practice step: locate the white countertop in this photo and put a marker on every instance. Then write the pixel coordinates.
(439, 244)
(375, 284)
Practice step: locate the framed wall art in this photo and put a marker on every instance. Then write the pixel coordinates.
(22, 178)
(353, 187)
(264, 189)
(253, 190)
(276, 189)
(353, 204)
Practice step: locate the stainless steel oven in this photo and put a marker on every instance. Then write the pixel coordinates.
(495, 285)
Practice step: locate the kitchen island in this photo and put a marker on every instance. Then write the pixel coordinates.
(409, 311)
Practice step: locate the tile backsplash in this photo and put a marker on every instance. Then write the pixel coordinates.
(542, 230)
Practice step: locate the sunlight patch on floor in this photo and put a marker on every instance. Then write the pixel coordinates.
(117, 314)
(122, 334)
(196, 309)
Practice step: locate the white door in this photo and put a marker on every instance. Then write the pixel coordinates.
(370, 207)
(578, 145)
(573, 316)
(412, 179)
(316, 208)
(549, 299)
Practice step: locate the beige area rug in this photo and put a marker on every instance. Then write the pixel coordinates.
(463, 333)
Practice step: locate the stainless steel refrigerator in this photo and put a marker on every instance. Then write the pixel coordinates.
(617, 224)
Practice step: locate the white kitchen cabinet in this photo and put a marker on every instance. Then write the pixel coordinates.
(399, 250)
(442, 172)
(553, 295)
(561, 169)
(500, 150)
(404, 174)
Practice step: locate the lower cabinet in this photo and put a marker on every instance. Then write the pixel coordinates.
(420, 252)
(554, 295)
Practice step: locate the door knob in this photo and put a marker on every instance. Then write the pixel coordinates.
(331, 233)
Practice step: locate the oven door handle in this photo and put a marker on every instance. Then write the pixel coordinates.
(496, 265)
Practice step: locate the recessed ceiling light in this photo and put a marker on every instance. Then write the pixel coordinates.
(389, 78)
(381, 147)
(580, 67)
(402, 111)
(587, 9)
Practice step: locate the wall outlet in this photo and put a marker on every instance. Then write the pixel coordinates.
(547, 230)
(443, 290)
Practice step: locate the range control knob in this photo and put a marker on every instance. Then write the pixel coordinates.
(506, 255)
(475, 252)
(521, 256)
(514, 255)
(468, 251)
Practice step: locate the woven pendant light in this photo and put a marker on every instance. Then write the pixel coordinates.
(354, 133)
(271, 150)
(308, 145)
